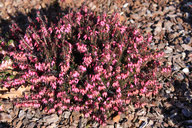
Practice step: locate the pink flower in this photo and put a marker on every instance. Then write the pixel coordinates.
(149, 39)
(82, 68)
(36, 105)
(68, 29)
(1, 108)
(139, 39)
(85, 37)
(122, 29)
(104, 94)
(102, 23)
(107, 27)
(75, 74)
(81, 48)
(52, 110)
(60, 112)
(87, 60)
(59, 36)
(51, 100)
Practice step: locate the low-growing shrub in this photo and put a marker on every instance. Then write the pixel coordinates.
(85, 62)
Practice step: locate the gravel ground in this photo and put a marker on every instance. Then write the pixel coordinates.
(169, 23)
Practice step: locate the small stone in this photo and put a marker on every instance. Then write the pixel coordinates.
(21, 113)
(29, 115)
(176, 67)
(15, 121)
(143, 124)
(109, 126)
(188, 121)
(4, 117)
(150, 123)
(167, 91)
(186, 47)
(141, 112)
(186, 112)
(118, 126)
(179, 19)
(186, 70)
(94, 7)
(7, 107)
(187, 15)
(168, 25)
(68, 1)
(1, 5)
(67, 114)
(183, 55)
(168, 50)
(51, 119)
(171, 36)
(170, 122)
(149, 14)
(125, 5)
(158, 28)
(161, 46)
(35, 119)
(95, 124)
(135, 16)
(19, 124)
(130, 117)
(9, 9)
(33, 2)
(31, 125)
(179, 76)
(53, 125)
(43, 5)
(187, 40)
(8, 2)
(25, 121)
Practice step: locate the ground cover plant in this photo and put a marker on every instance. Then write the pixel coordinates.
(85, 62)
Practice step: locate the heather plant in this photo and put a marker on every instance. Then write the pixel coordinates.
(5, 61)
(85, 62)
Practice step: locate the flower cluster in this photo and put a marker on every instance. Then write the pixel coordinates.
(85, 62)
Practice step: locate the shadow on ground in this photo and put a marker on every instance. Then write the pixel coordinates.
(53, 12)
(4, 125)
(179, 113)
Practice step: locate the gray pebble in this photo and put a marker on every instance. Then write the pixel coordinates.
(187, 40)
(1, 4)
(21, 113)
(186, 47)
(186, 112)
(125, 5)
(67, 114)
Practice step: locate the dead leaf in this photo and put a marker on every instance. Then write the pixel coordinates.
(130, 117)
(122, 18)
(6, 65)
(15, 93)
(3, 89)
(116, 118)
